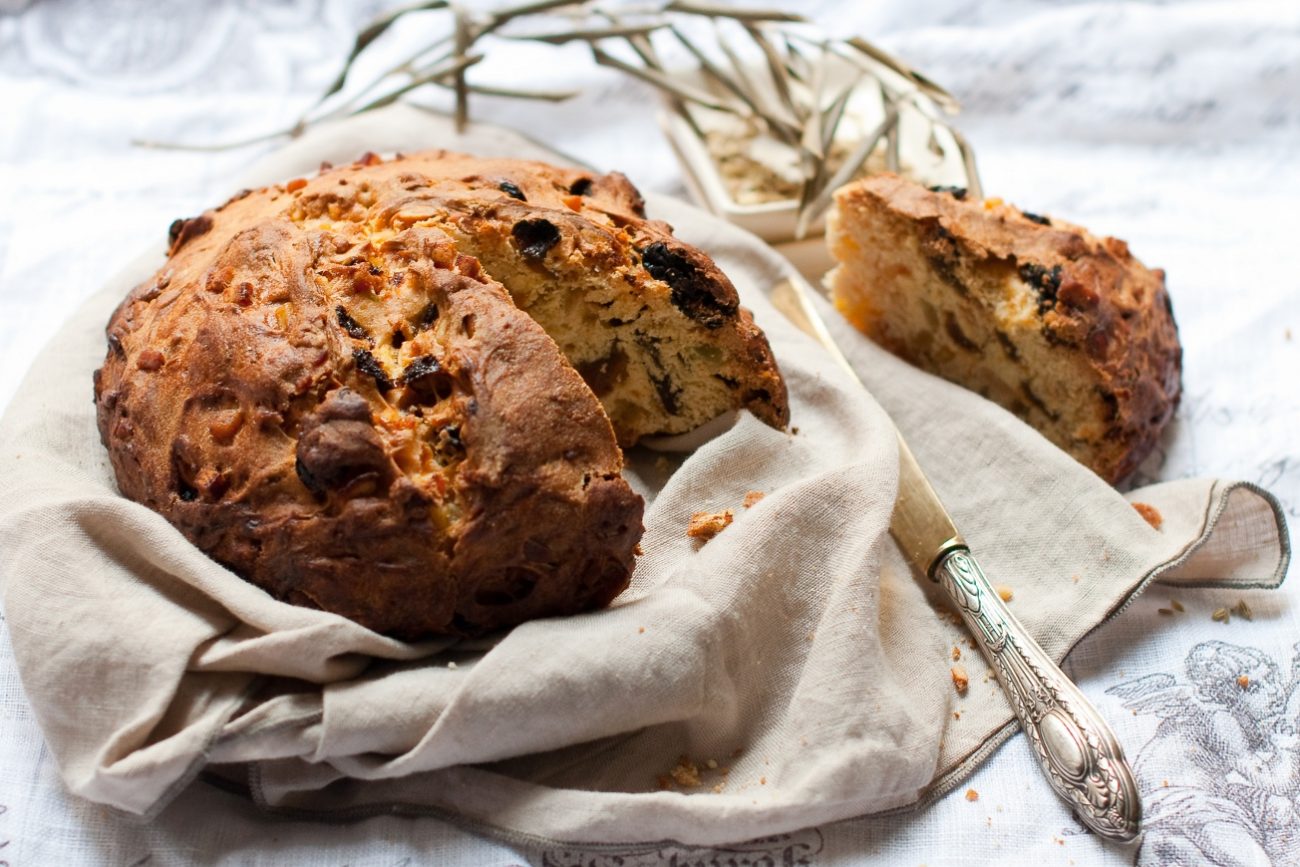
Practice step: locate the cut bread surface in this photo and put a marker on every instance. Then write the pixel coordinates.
(650, 323)
(1067, 331)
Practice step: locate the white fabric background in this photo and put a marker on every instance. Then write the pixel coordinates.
(1174, 126)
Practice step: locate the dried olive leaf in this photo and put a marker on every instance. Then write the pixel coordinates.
(776, 68)
(834, 113)
(664, 82)
(589, 35)
(884, 58)
(489, 90)
(420, 80)
(741, 88)
(710, 11)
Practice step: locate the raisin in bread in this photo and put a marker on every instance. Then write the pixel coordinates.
(348, 411)
(1068, 331)
(652, 324)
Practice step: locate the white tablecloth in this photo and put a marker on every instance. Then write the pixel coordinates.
(1173, 126)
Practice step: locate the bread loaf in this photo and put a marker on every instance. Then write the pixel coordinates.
(325, 390)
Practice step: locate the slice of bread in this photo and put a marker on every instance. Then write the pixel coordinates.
(1066, 330)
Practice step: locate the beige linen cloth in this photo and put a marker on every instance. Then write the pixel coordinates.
(795, 650)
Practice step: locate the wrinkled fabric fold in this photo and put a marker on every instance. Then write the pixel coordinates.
(793, 663)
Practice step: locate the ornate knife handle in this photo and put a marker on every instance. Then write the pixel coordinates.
(1076, 749)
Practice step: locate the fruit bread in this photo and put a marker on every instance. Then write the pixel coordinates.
(326, 391)
(1067, 331)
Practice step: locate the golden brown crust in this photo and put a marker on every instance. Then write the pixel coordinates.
(352, 415)
(1094, 301)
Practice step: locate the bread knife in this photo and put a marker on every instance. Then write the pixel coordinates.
(1075, 748)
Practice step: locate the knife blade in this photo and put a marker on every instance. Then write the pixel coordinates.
(1075, 748)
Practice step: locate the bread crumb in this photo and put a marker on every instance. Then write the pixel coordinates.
(1222, 615)
(712, 764)
(1074, 578)
(686, 774)
(956, 653)
(1005, 593)
(717, 789)
(1176, 605)
(956, 714)
(752, 498)
(640, 630)
(762, 781)
(1150, 514)
(972, 795)
(638, 550)
(960, 679)
(1242, 610)
(706, 525)
(1243, 681)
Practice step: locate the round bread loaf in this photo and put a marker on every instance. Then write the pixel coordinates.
(1066, 330)
(331, 399)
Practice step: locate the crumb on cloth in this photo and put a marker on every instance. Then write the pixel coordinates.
(685, 774)
(1005, 593)
(972, 795)
(1150, 514)
(960, 679)
(689, 773)
(706, 525)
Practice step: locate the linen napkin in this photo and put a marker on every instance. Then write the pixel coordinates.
(788, 673)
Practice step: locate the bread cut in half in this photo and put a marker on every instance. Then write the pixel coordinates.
(1066, 330)
(651, 323)
(347, 410)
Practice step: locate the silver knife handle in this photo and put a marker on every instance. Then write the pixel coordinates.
(1076, 749)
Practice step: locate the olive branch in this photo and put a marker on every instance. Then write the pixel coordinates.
(788, 93)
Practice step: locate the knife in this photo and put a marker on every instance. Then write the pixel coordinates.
(1076, 749)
